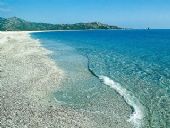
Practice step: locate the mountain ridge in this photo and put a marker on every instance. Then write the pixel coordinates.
(18, 24)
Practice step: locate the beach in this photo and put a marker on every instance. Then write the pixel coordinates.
(28, 79)
(84, 79)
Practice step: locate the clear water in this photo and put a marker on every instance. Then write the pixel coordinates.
(119, 78)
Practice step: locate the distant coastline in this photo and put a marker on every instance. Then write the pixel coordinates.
(17, 24)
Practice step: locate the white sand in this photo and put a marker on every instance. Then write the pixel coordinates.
(28, 78)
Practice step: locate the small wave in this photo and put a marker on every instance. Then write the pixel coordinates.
(137, 115)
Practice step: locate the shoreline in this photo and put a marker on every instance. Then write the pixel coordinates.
(28, 78)
(80, 77)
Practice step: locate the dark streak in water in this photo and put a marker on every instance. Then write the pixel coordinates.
(91, 71)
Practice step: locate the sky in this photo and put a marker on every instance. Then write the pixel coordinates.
(123, 13)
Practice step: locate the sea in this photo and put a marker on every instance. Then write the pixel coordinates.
(117, 78)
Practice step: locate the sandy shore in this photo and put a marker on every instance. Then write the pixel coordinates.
(28, 78)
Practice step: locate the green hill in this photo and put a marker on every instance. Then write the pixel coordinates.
(17, 24)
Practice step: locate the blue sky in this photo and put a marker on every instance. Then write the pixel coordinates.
(125, 13)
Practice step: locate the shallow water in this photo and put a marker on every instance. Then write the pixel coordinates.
(135, 64)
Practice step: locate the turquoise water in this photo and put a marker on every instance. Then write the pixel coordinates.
(119, 78)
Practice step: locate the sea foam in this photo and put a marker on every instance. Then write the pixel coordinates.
(137, 115)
